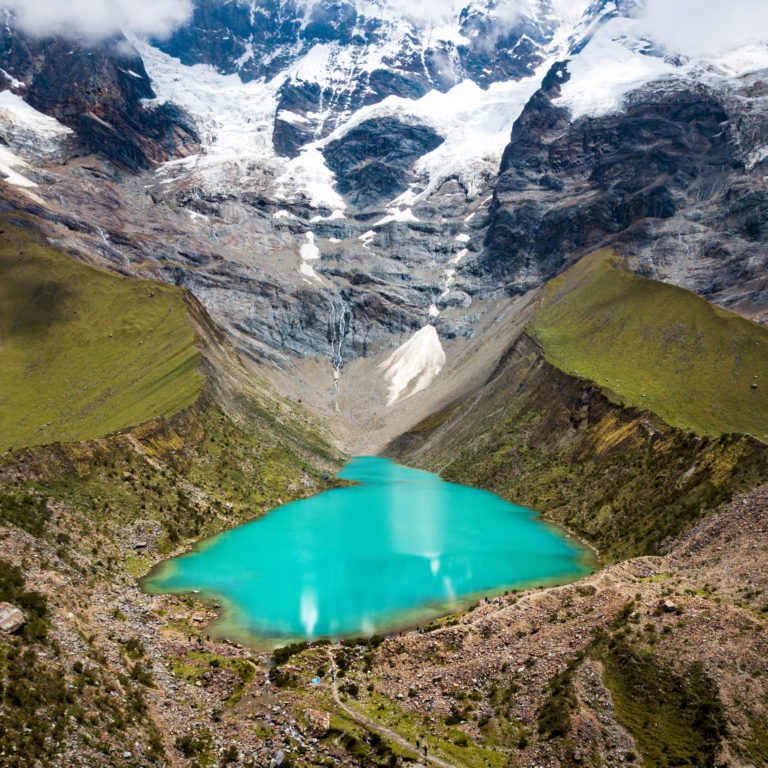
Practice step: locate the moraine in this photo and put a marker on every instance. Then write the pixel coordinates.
(400, 547)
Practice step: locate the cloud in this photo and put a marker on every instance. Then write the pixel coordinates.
(98, 19)
(702, 27)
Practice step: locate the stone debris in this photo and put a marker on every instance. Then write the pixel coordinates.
(318, 722)
(11, 618)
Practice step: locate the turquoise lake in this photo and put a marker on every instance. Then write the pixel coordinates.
(399, 548)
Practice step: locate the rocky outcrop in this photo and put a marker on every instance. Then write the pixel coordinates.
(299, 120)
(667, 179)
(373, 162)
(565, 187)
(318, 722)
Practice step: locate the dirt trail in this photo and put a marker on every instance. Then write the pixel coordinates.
(371, 725)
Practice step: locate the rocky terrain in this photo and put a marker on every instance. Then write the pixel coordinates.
(660, 179)
(653, 661)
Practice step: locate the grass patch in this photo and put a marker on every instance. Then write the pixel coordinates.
(441, 739)
(26, 512)
(656, 346)
(193, 666)
(85, 352)
(555, 715)
(757, 746)
(676, 719)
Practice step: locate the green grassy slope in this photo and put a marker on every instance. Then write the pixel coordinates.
(657, 347)
(84, 352)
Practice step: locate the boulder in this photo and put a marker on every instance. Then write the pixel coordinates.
(318, 722)
(53, 578)
(11, 618)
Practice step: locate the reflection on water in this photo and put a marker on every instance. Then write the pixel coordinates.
(354, 560)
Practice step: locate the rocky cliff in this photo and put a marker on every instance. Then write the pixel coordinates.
(669, 180)
(97, 89)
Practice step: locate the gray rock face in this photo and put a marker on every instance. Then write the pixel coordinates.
(664, 180)
(98, 90)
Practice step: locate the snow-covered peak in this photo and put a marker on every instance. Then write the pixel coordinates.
(272, 83)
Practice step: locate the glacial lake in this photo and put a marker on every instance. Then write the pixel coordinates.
(399, 548)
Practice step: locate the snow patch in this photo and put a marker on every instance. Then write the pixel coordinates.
(309, 173)
(234, 119)
(413, 366)
(396, 214)
(291, 117)
(619, 59)
(15, 83)
(248, 54)
(336, 215)
(458, 257)
(308, 272)
(8, 164)
(462, 238)
(606, 70)
(367, 237)
(309, 252)
(26, 128)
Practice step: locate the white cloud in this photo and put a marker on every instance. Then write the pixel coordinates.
(98, 19)
(704, 27)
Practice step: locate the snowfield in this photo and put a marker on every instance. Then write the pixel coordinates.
(28, 131)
